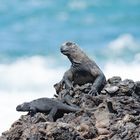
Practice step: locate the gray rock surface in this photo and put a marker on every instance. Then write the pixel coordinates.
(112, 115)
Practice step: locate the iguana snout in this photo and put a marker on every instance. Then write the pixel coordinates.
(23, 107)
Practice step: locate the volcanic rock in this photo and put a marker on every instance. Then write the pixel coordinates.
(112, 115)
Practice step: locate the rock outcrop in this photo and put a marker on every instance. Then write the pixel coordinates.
(112, 115)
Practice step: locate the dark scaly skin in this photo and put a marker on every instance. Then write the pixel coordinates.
(46, 105)
(83, 70)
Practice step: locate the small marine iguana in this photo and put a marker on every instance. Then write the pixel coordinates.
(46, 105)
(83, 70)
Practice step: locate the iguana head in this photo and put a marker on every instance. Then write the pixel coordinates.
(72, 51)
(23, 107)
(68, 48)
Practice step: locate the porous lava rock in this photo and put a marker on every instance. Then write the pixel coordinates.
(112, 115)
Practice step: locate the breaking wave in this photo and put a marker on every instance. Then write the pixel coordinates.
(33, 75)
(124, 57)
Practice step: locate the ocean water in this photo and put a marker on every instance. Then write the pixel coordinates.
(31, 33)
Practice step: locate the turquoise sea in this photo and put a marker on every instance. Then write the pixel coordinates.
(32, 31)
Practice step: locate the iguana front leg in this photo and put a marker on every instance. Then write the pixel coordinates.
(98, 83)
(52, 114)
(67, 78)
(32, 111)
(66, 81)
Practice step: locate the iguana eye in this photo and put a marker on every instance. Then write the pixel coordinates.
(69, 43)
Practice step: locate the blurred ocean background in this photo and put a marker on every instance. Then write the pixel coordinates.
(32, 31)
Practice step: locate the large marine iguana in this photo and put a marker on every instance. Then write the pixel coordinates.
(83, 70)
(46, 105)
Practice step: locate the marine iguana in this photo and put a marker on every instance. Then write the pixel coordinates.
(83, 70)
(46, 105)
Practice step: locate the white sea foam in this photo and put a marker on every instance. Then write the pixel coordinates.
(122, 69)
(28, 75)
(129, 70)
